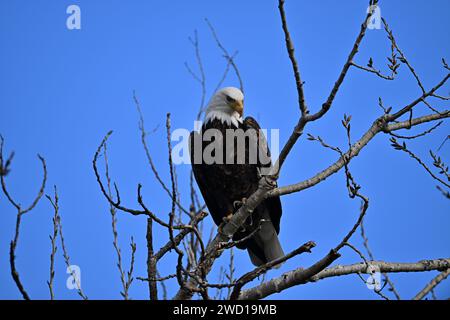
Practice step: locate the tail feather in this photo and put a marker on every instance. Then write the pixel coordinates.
(268, 246)
(255, 259)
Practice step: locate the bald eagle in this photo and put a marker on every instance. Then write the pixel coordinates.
(232, 174)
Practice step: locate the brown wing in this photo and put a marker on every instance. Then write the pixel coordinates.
(273, 204)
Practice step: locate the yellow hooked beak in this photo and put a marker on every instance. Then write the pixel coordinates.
(238, 106)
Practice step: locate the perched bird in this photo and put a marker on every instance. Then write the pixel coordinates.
(226, 183)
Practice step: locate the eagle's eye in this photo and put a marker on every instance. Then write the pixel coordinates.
(230, 99)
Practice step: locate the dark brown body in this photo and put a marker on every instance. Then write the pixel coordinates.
(223, 184)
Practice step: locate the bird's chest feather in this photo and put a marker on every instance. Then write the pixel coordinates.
(227, 174)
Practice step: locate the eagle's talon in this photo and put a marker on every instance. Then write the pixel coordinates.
(220, 227)
(258, 173)
(237, 204)
(250, 218)
(227, 218)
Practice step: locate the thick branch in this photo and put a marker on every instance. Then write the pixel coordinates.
(151, 262)
(289, 279)
(249, 276)
(297, 276)
(414, 122)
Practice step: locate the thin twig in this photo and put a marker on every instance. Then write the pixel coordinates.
(147, 151)
(53, 237)
(112, 211)
(433, 283)
(66, 256)
(372, 258)
(226, 54)
(180, 253)
(403, 147)
(4, 169)
(290, 48)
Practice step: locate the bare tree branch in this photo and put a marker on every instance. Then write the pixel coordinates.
(130, 278)
(369, 251)
(53, 237)
(147, 151)
(249, 276)
(226, 55)
(116, 204)
(290, 48)
(379, 125)
(398, 136)
(116, 246)
(433, 283)
(4, 169)
(403, 147)
(297, 276)
(55, 204)
(151, 262)
(202, 78)
(371, 69)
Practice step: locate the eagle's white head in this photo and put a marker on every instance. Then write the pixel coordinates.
(227, 105)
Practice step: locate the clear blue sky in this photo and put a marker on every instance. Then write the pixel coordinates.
(62, 90)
